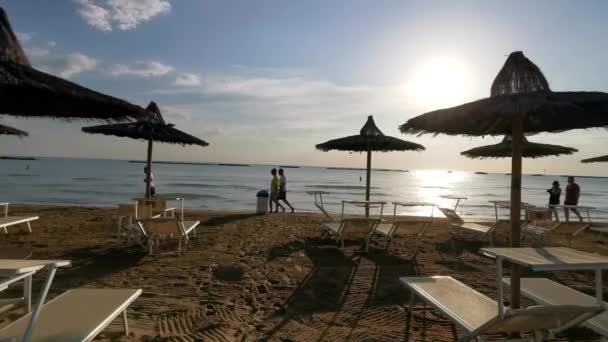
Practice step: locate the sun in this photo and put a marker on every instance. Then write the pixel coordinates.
(439, 83)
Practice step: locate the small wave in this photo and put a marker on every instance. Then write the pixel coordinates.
(189, 196)
(22, 175)
(89, 192)
(339, 187)
(199, 185)
(435, 187)
(87, 179)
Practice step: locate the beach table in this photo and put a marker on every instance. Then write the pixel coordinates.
(454, 197)
(507, 205)
(585, 209)
(15, 268)
(548, 259)
(365, 204)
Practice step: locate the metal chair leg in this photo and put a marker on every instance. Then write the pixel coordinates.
(125, 323)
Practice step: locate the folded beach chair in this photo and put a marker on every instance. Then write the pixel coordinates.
(458, 225)
(478, 315)
(548, 292)
(76, 315)
(412, 229)
(154, 230)
(541, 226)
(352, 228)
(159, 206)
(7, 221)
(134, 211)
(319, 203)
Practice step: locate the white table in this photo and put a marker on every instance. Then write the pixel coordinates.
(548, 259)
(454, 197)
(365, 204)
(507, 205)
(15, 268)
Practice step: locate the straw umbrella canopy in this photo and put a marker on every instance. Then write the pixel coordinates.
(7, 130)
(28, 92)
(504, 149)
(369, 139)
(153, 129)
(601, 159)
(520, 102)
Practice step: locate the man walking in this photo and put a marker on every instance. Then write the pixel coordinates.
(573, 192)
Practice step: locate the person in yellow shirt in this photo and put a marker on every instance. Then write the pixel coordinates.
(274, 192)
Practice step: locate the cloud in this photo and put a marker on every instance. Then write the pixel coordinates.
(104, 15)
(141, 69)
(188, 80)
(69, 65)
(24, 37)
(37, 51)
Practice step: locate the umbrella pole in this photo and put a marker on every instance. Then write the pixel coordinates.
(367, 181)
(517, 136)
(149, 173)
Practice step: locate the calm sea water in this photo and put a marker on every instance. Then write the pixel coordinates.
(108, 182)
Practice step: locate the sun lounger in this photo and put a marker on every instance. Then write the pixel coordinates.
(540, 225)
(352, 228)
(319, 203)
(133, 211)
(159, 206)
(413, 227)
(76, 315)
(548, 292)
(478, 315)
(7, 221)
(458, 225)
(160, 228)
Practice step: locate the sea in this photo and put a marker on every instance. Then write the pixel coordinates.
(101, 182)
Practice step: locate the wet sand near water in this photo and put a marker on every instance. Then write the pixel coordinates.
(265, 278)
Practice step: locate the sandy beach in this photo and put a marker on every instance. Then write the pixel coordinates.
(248, 277)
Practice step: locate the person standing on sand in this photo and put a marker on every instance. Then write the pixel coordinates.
(283, 189)
(554, 194)
(573, 192)
(152, 185)
(274, 191)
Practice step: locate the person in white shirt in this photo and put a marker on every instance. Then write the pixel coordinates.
(283, 189)
(152, 185)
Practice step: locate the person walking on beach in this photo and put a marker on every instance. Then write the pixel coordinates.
(152, 185)
(573, 192)
(554, 194)
(274, 191)
(283, 189)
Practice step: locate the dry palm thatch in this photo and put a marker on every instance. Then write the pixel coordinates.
(520, 88)
(520, 101)
(7, 130)
(369, 139)
(26, 91)
(504, 149)
(601, 159)
(152, 129)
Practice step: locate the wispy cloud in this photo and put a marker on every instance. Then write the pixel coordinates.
(143, 69)
(125, 15)
(24, 37)
(69, 65)
(188, 80)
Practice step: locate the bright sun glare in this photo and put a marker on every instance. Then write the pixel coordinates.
(439, 83)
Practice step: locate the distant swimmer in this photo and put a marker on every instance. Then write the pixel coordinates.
(27, 167)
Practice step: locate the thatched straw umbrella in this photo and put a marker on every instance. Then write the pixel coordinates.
(504, 149)
(153, 129)
(7, 130)
(601, 159)
(369, 139)
(520, 101)
(28, 92)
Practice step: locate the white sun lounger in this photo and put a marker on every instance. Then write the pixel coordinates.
(540, 224)
(413, 227)
(478, 315)
(457, 225)
(157, 229)
(77, 315)
(319, 203)
(352, 228)
(548, 292)
(7, 221)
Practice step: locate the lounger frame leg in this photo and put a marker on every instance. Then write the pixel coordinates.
(27, 294)
(125, 322)
(5, 231)
(52, 268)
(29, 227)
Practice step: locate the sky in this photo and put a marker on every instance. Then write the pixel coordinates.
(265, 81)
